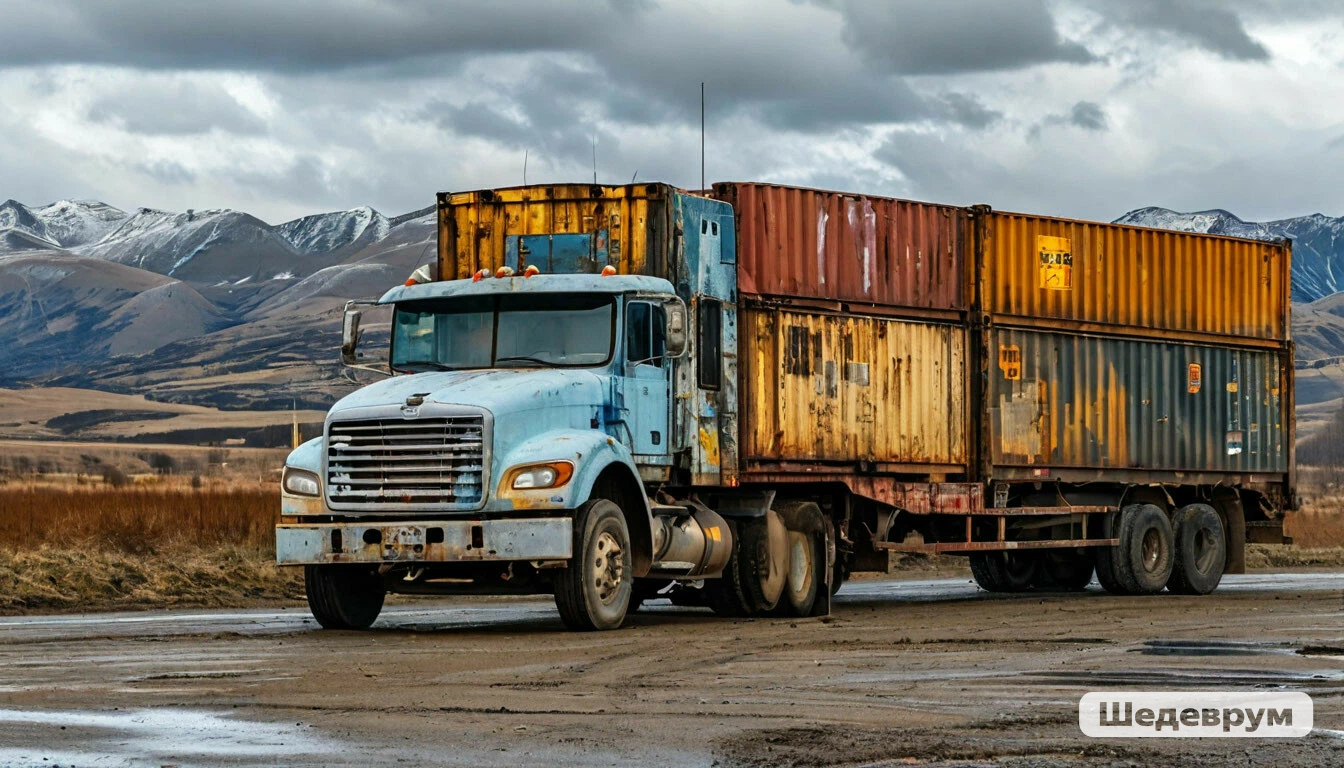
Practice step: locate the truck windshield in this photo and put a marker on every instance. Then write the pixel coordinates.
(552, 330)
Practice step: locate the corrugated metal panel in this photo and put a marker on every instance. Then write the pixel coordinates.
(829, 245)
(627, 225)
(1038, 267)
(843, 388)
(1062, 400)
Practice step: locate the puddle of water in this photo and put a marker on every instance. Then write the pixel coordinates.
(133, 737)
(1209, 648)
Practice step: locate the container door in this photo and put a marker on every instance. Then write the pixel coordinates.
(557, 254)
(646, 383)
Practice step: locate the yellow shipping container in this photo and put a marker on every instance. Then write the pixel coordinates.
(1113, 278)
(558, 228)
(842, 388)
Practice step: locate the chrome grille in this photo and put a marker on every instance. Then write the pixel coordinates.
(400, 463)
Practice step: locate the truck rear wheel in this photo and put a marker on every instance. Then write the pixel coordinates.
(593, 591)
(764, 560)
(1004, 571)
(1144, 558)
(1105, 559)
(344, 596)
(1201, 550)
(805, 527)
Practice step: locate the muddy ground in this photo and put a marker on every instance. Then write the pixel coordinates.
(922, 671)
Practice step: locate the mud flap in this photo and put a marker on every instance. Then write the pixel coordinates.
(822, 605)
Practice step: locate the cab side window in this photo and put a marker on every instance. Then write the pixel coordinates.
(645, 334)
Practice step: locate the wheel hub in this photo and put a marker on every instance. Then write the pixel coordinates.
(1152, 550)
(608, 567)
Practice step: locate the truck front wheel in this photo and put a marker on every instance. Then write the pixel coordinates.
(344, 596)
(593, 591)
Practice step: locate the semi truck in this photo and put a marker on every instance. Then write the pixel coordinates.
(737, 397)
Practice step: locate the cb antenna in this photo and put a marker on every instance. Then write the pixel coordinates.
(702, 135)
(524, 167)
(594, 157)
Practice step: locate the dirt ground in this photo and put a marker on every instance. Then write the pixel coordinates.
(905, 671)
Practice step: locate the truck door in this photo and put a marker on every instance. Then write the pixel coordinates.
(646, 382)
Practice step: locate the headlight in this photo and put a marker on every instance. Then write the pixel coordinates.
(301, 482)
(550, 475)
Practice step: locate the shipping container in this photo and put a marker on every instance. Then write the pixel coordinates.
(557, 228)
(831, 388)
(1090, 276)
(808, 243)
(1111, 405)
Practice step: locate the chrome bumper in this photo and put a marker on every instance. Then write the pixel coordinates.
(429, 542)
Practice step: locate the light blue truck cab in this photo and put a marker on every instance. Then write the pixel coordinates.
(542, 433)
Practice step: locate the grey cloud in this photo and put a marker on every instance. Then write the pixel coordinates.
(965, 109)
(168, 172)
(919, 37)
(1087, 115)
(1212, 25)
(151, 106)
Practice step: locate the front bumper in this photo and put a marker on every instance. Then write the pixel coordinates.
(454, 541)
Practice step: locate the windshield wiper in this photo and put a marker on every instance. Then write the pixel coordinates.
(432, 364)
(528, 359)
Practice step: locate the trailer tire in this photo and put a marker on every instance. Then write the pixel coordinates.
(593, 592)
(1064, 570)
(1201, 550)
(1105, 558)
(344, 596)
(806, 562)
(1146, 553)
(1004, 571)
(725, 595)
(764, 560)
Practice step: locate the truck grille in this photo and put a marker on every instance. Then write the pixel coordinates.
(399, 463)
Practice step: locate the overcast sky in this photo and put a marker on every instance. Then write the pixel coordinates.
(1084, 108)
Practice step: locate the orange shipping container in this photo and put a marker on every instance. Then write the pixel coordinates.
(1122, 279)
(841, 388)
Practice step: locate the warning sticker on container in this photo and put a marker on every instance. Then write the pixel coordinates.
(1056, 255)
(1194, 378)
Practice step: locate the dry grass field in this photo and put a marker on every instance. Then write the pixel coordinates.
(66, 545)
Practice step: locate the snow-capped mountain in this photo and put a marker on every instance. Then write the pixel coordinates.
(62, 224)
(1318, 242)
(325, 232)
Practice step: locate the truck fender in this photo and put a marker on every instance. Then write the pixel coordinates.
(596, 456)
(307, 456)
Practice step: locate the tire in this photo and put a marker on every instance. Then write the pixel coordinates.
(594, 591)
(764, 562)
(726, 595)
(344, 596)
(1146, 553)
(1105, 559)
(839, 572)
(802, 580)
(1064, 570)
(1201, 550)
(1004, 571)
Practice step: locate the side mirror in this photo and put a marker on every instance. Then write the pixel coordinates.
(676, 327)
(350, 337)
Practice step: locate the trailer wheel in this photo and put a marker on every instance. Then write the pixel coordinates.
(1064, 570)
(764, 562)
(344, 596)
(1105, 559)
(1201, 550)
(1004, 571)
(803, 578)
(594, 590)
(1144, 558)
